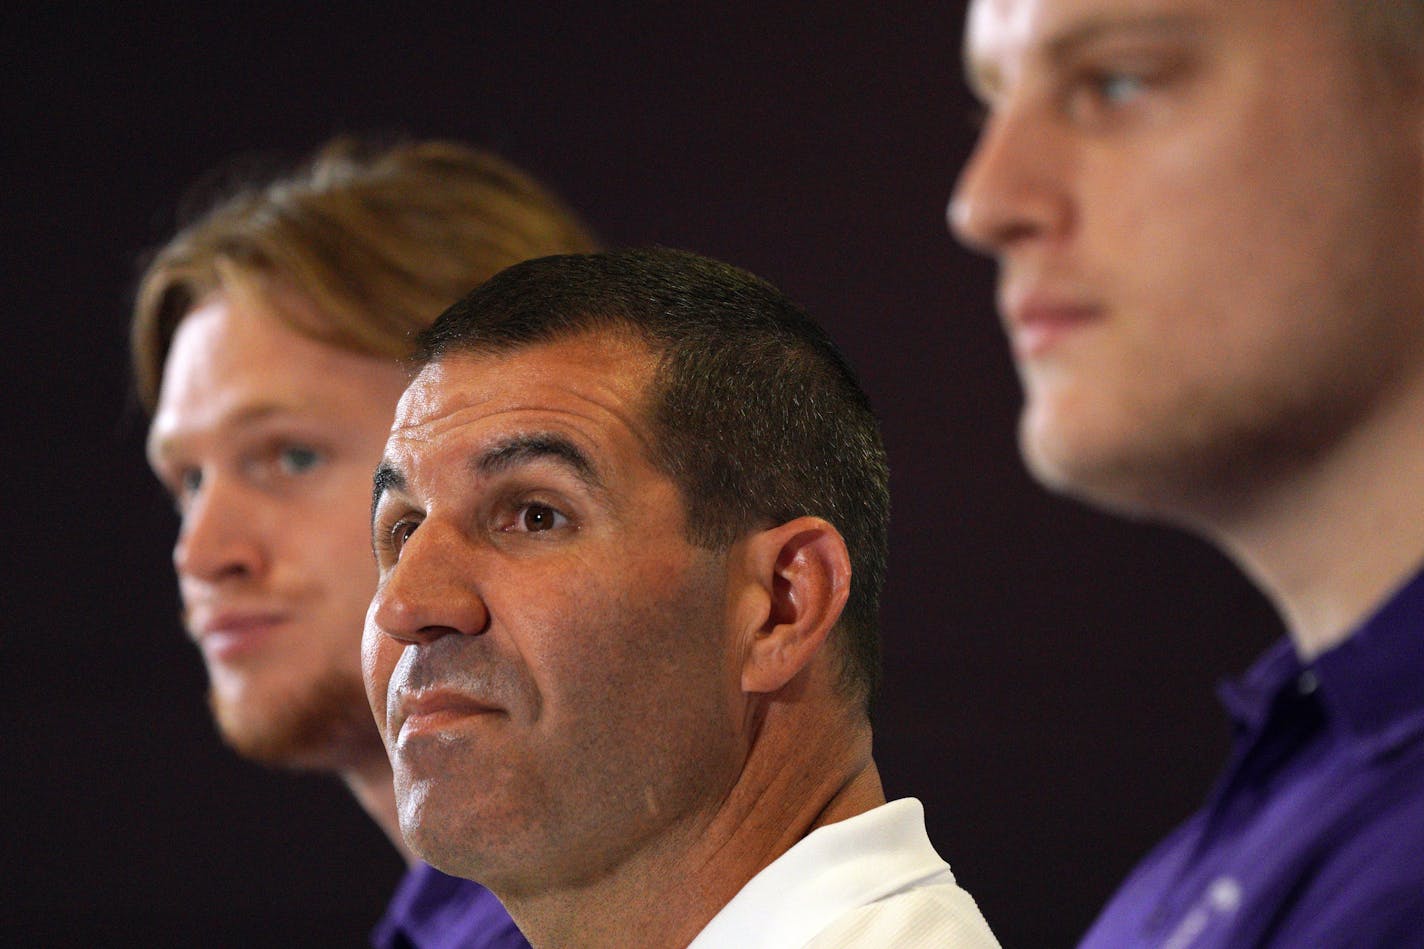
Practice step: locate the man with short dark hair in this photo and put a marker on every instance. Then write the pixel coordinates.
(631, 531)
(1209, 223)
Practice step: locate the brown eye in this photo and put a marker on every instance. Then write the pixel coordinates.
(539, 517)
(400, 533)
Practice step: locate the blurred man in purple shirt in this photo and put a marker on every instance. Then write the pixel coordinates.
(267, 341)
(1209, 224)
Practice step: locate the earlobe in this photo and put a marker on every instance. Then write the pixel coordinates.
(802, 571)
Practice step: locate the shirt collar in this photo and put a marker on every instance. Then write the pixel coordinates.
(1371, 685)
(1248, 699)
(828, 872)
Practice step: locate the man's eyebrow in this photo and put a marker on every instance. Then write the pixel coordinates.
(1090, 31)
(500, 457)
(981, 77)
(523, 449)
(387, 477)
(160, 442)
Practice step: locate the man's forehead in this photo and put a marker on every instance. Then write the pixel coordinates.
(594, 371)
(1000, 16)
(592, 392)
(234, 363)
(1004, 37)
(422, 397)
(997, 26)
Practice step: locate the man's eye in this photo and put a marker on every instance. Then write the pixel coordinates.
(1129, 83)
(1119, 88)
(400, 533)
(535, 518)
(189, 481)
(297, 459)
(184, 487)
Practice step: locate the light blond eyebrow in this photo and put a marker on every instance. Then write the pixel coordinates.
(979, 78)
(1066, 44)
(162, 447)
(980, 75)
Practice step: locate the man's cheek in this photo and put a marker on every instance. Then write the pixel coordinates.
(377, 662)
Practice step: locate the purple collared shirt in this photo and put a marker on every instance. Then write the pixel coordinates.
(1314, 836)
(433, 911)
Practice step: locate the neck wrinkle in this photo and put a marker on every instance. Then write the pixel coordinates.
(787, 788)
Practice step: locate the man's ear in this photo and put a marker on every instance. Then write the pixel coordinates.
(800, 571)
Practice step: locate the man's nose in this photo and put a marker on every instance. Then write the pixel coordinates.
(1015, 186)
(431, 590)
(221, 535)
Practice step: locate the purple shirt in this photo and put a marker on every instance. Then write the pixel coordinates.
(1314, 836)
(433, 911)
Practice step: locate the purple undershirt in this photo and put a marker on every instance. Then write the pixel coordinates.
(1314, 836)
(433, 911)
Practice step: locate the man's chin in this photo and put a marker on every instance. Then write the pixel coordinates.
(326, 726)
(1128, 481)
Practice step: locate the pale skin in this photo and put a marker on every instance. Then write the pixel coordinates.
(1209, 221)
(266, 440)
(612, 729)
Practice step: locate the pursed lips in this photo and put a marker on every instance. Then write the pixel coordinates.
(226, 633)
(1039, 319)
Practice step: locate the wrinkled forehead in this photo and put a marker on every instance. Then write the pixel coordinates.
(424, 397)
(594, 388)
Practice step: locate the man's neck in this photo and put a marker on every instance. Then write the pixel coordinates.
(667, 894)
(371, 783)
(1331, 545)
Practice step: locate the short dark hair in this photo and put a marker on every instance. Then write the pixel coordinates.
(755, 414)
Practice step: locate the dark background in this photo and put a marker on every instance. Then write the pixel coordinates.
(1049, 670)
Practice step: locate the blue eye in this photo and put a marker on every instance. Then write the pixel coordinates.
(1118, 88)
(296, 459)
(184, 487)
(189, 481)
(1102, 97)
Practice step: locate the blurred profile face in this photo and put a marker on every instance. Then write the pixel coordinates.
(266, 440)
(546, 655)
(1207, 219)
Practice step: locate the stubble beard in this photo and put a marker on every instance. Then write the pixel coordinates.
(327, 726)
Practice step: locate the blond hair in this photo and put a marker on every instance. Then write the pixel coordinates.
(380, 241)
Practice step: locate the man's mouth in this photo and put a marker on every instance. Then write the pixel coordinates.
(434, 711)
(1038, 321)
(229, 635)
